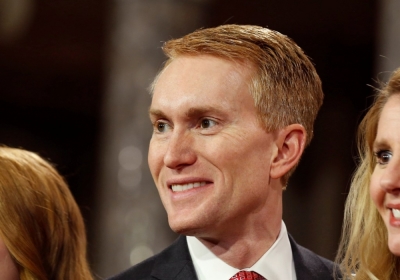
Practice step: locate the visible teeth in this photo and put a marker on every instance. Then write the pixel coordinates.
(184, 187)
(396, 213)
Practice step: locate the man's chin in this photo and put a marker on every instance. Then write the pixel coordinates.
(185, 228)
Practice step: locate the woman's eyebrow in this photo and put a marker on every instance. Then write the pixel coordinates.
(380, 144)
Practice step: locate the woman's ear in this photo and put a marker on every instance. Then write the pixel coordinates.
(290, 143)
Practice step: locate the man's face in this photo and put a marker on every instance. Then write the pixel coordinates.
(209, 155)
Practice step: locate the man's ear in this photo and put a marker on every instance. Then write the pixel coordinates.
(290, 143)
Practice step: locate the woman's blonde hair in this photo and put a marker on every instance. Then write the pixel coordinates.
(40, 222)
(363, 252)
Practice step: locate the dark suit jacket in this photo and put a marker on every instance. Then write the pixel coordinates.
(175, 263)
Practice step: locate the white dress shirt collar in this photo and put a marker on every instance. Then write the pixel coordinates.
(276, 264)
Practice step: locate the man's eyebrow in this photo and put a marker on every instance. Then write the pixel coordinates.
(156, 113)
(195, 112)
(191, 113)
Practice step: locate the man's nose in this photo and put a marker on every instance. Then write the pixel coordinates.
(390, 180)
(180, 151)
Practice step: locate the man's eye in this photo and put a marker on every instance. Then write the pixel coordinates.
(383, 157)
(207, 123)
(161, 127)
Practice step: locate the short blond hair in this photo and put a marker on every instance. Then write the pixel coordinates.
(285, 86)
(364, 248)
(40, 222)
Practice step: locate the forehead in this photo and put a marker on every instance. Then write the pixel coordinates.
(202, 78)
(199, 68)
(391, 110)
(389, 121)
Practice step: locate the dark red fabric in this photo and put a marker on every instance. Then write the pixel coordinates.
(247, 275)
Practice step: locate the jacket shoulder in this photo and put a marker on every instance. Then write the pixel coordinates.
(173, 260)
(140, 271)
(309, 265)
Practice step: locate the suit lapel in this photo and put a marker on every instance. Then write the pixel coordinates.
(174, 271)
(308, 265)
(176, 263)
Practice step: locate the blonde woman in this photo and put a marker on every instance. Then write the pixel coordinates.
(42, 234)
(370, 246)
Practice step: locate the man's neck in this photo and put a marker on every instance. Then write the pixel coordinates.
(245, 249)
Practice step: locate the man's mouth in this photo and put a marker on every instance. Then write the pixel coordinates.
(185, 187)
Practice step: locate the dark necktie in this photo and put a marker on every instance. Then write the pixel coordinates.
(247, 275)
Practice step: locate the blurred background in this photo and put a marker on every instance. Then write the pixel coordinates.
(73, 87)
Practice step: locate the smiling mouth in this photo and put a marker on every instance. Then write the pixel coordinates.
(396, 213)
(185, 187)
